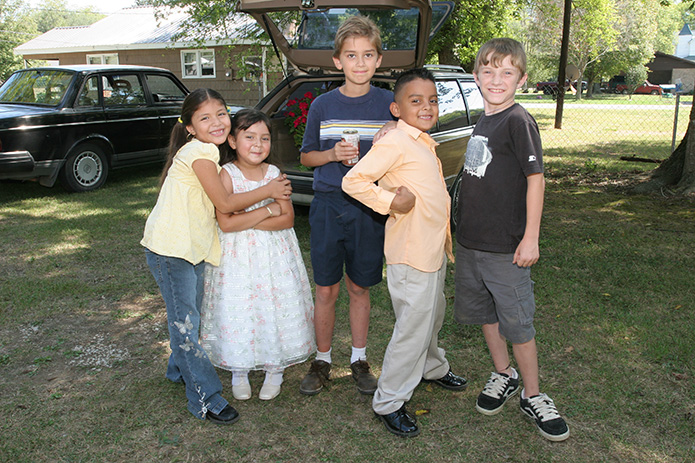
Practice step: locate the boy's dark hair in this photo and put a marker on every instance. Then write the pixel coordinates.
(357, 26)
(409, 76)
(242, 120)
(179, 134)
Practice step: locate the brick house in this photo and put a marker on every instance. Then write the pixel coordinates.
(138, 36)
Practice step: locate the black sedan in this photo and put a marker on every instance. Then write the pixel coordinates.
(75, 123)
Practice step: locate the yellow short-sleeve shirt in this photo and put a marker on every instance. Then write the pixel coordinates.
(182, 223)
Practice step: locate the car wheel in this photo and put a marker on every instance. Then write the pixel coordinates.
(624, 92)
(655, 92)
(85, 169)
(454, 194)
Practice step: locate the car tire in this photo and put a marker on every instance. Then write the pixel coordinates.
(655, 92)
(85, 169)
(624, 92)
(454, 191)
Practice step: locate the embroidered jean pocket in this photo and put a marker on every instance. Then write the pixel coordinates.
(527, 303)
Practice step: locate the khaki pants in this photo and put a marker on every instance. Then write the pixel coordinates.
(412, 354)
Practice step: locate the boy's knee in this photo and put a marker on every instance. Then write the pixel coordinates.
(327, 293)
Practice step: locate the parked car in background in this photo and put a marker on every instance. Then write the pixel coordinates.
(617, 84)
(410, 25)
(550, 87)
(76, 123)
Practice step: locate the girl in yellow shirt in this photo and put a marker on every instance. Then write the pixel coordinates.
(181, 235)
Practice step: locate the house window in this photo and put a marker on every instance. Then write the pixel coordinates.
(103, 59)
(254, 69)
(198, 64)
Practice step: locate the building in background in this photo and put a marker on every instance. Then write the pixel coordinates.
(234, 65)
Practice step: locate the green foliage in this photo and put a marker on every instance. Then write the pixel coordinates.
(471, 24)
(13, 32)
(635, 76)
(56, 13)
(20, 23)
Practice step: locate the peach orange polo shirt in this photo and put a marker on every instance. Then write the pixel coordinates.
(405, 156)
(182, 223)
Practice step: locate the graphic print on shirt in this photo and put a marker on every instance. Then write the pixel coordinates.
(478, 156)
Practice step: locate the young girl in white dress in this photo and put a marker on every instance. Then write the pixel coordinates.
(257, 311)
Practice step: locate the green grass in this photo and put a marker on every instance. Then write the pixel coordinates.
(605, 99)
(83, 343)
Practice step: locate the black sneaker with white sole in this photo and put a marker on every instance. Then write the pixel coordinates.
(498, 389)
(541, 409)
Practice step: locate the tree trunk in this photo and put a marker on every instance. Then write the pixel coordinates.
(677, 173)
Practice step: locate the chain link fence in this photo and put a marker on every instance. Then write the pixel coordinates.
(605, 126)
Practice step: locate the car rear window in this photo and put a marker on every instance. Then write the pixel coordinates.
(474, 100)
(45, 86)
(163, 88)
(452, 109)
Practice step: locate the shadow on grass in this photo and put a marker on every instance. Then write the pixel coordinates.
(614, 292)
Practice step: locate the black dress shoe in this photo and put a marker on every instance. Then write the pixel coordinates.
(400, 423)
(228, 415)
(450, 381)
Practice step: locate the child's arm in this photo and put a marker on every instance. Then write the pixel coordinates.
(359, 182)
(284, 220)
(340, 152)
(404, 200)
(226, 201)
(527, 253)
(245, 220)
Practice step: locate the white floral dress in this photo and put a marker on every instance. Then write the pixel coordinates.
(257, 311)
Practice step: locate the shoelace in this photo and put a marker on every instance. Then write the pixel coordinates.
(361, 367)
(320, 373)
(544, 407)
(496, 385)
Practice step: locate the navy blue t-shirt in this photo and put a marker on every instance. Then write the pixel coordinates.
(333, 112)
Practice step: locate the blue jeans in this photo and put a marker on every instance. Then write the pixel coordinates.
(181, 285)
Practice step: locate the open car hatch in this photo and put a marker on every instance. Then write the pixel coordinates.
(304, 30)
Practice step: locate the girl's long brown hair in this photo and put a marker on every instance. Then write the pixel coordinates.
(179, 134)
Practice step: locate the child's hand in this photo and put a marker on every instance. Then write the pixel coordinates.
(275, 208)
(384, 130)
(280, 187)
(404, 200)
(342, 151)
(527, 253)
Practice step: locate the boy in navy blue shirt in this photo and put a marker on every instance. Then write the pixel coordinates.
(344, 232)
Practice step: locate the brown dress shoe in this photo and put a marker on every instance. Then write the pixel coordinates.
(316, 379)
(362, 374)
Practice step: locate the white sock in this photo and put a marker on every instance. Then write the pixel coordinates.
(274, 378)
(240, 377)
(515, 375)
(358, 353)
(325, 356)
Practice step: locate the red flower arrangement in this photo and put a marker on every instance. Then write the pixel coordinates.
(295, 116)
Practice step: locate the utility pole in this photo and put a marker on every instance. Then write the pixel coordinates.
(564, 47)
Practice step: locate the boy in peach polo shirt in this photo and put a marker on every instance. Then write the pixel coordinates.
(411, 189)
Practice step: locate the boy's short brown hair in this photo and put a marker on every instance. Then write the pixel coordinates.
(500, 49)
(357, 26)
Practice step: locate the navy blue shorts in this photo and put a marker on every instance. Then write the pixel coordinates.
(345, 232)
